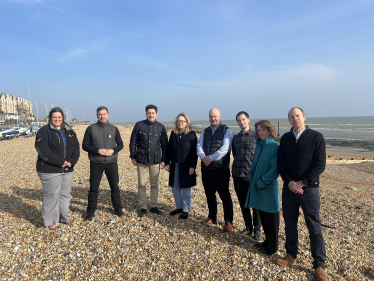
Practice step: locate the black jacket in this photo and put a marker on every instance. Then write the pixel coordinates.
(102, 135)
(304, 159)
(148, 142)
(50, 147)
(182, 150)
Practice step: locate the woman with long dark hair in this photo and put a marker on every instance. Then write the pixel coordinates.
(58, 152)
(181, 160)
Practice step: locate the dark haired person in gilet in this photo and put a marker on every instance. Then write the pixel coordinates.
(243, 149)
(213, 149)
(103, 141)
(301, 160)
(148, 145)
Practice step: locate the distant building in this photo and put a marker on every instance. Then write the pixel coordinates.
(75, 120)
(15, 108)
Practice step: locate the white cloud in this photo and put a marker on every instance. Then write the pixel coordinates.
(282, 78)
(33, 2)
(40, 2)
(80, 53)
(306, 72)
(327, 14)
(147, 61)
(73, 54)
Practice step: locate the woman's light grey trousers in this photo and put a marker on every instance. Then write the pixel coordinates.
(56, 198)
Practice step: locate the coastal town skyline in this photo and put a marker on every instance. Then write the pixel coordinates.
(189, 56)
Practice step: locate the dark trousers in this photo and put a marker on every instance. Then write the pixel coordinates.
(310, 204)
(270, 225)
(96, 173)
(218, 181)
(241, 186)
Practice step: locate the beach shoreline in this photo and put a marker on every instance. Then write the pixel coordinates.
(362, 147)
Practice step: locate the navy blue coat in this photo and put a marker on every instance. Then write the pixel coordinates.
(185, 150)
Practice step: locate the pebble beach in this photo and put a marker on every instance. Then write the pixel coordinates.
(161, 247)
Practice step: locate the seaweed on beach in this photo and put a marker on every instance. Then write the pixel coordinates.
(351, 143)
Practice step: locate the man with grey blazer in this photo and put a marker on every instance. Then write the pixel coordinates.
(103, 141)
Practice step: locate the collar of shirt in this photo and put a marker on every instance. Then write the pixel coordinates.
(297, 136)
(245, 133)
(213, 130)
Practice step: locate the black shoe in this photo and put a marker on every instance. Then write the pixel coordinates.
(263, 251)
(155, 210)
(88, 217)
(176, 211)
(259, 245)
(119, 214)
(257, 236)
(246, 231)
(184, 215)
(143, 212)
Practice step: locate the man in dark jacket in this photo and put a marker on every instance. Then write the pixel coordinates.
(103, 141)
(213, 149)
(243, 149)
(301, 160)
(148, 144)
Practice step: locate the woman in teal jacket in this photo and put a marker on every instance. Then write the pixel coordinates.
(264, 190)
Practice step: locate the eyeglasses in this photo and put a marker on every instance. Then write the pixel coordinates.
(181, 121)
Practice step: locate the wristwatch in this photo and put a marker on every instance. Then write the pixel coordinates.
(304, 182)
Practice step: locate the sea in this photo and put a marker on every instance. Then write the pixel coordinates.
(342, 128)
(357, 128)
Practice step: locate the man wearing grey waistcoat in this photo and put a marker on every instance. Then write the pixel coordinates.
(103, 141)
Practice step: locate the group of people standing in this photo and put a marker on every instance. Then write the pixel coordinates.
(258, 160)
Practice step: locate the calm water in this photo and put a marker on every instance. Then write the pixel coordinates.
(344, 128)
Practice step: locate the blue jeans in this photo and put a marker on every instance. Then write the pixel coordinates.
(310, 204)
(182, 196)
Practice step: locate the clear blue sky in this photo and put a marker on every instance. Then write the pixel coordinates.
(260, 56)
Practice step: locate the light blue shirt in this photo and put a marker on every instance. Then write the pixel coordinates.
(225, 148)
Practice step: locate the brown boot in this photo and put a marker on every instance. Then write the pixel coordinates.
(228, 227)
(287, 260)
(320, 274)
(208, 221)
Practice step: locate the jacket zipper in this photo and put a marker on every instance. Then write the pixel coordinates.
(64, 150)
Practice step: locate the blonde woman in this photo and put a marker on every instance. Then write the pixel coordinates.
(181, 160)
